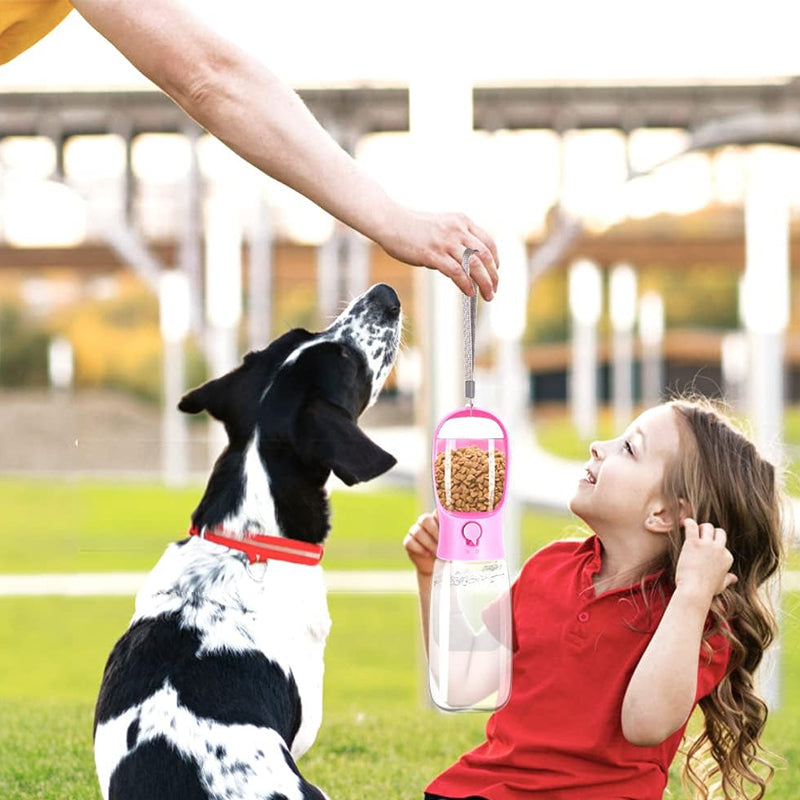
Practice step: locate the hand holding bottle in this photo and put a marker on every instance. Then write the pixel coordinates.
(421, 542)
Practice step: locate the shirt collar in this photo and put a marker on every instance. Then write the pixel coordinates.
(592, 549)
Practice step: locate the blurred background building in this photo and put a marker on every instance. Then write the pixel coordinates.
(642, 177)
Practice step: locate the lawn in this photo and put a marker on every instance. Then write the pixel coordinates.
(379, 737)
(87, 526)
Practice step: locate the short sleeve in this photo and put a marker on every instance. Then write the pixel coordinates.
(715, 654)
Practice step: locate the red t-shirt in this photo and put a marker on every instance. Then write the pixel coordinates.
(559, 736)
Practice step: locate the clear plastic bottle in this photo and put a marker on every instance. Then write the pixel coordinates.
(469, 646)
(469, 632)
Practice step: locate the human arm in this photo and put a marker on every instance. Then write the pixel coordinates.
(420, 543)
(663, 688)
(235, 97)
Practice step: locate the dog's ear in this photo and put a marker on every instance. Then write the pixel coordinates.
(211, 396)
(326, 434)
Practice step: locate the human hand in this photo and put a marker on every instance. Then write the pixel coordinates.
(438, 241)
(421, 542)
(704, 562)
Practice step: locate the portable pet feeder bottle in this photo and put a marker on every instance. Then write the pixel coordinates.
(469, 645)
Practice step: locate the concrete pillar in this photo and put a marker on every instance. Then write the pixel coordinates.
(585, 303)
(508, 317)
(60, 363)
(651, 336)
(623, 307)
(190, 254)
(764, 306)
(259, 267)
(440, 122)
(223, 301)
(175, 319)
(329, 270)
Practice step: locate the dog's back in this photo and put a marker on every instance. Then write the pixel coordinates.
(216, 684)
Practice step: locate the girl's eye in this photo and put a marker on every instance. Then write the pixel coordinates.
(628, 447)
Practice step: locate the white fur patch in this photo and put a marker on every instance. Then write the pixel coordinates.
(257, 511)
(278, 608)
(248, 761)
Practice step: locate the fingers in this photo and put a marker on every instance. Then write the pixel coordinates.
(482, 269)
(422, 538)
(709, 546)
(706, 531)
(463, 233)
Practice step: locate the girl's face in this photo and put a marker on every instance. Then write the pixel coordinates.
(621, 489)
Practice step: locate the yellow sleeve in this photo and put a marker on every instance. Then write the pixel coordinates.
(24, 22)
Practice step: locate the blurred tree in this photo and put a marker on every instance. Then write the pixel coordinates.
(23, 349)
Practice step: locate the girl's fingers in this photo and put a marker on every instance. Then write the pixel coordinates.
(730, 579)
(421, 539)
(706, 531)
(690, 529)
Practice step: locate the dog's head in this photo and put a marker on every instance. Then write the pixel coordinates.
(290, 412)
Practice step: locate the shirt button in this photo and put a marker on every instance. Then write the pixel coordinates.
(583, 616)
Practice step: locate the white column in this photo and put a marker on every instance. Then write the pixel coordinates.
(174, 302)
(508, 313)
(440, 122)
(60, 363)
(622, 306)
(223, 292)
(358, 263)
(259, 273)
(328, 271)
(651, 335)
(735, 368)
(585, 303)
(764, 306)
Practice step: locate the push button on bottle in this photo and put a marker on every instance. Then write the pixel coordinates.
(472, 532)
(583, 616)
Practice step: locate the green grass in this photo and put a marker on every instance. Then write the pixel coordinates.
(378, 737)
(93, 526)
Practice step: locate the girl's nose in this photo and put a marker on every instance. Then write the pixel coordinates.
(595, 450)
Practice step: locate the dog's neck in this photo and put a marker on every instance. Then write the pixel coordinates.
(243, 498)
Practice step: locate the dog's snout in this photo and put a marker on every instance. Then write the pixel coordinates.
(386, 298)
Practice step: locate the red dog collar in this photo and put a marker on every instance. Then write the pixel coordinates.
(259, 548)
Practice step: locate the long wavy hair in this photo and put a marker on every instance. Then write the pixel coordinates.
(720, 476)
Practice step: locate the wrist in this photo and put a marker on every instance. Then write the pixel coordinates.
(380, 222)
(693, 595)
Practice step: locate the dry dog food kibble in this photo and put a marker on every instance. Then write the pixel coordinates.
(469, 479)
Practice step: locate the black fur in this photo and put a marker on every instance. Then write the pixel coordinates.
(191, 670)
(156, 771)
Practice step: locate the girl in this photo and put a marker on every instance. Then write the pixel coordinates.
(617, 637)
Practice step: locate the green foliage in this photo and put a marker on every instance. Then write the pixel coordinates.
(23, 349)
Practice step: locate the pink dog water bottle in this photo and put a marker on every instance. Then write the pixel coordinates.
(469, 632)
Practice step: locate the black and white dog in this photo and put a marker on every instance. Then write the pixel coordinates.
(216, 687)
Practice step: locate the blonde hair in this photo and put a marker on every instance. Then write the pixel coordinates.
(722, 479)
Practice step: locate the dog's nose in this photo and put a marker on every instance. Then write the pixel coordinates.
(386, 297)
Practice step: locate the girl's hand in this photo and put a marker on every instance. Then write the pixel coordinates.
(704, 563)
(421, 542)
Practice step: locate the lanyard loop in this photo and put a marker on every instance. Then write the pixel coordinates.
(470, 313)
